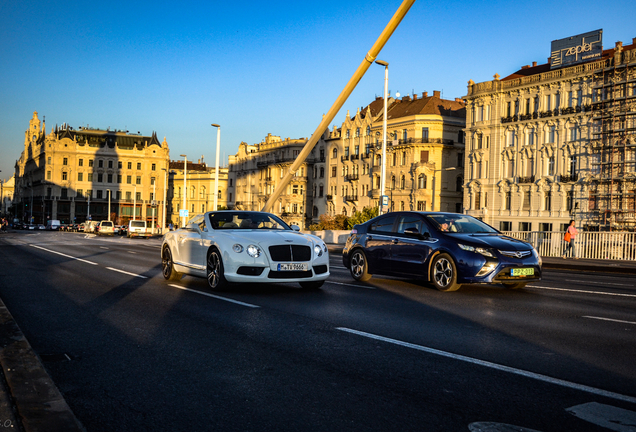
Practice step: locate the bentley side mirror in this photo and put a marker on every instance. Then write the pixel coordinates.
(295, 227)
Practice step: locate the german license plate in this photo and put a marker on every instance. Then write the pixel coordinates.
(522, 272)
(293, 267)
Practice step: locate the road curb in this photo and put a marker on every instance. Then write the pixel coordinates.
(38, 403)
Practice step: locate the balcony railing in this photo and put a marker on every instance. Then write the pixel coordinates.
(351, 198)
(529, 179)
(352, 177)
(569, 178)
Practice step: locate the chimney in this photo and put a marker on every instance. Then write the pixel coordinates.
(525, 67)
(460, 100)
(534, 64)
(406, 98)
(436, 93)
(414, 96)
(634, 41)
(425, 94)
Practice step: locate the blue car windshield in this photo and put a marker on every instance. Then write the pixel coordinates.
(456, 223)
(245, 220)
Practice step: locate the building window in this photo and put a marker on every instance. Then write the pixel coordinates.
(90, 177)
(80, 176)
(138, 165)
(128, 179)
(119, 164)
(402, 182)
(525, 226)
(48, 175)
(569, 201)
(65, 161)
(508, 201)
(118, 178)
(129, 165)
(100, 178)
(551, 166)
(421, 181)
(90, 162)
(128, 195)
(403, 161)
(138, 196)
(110, 178)
(100, 164)
(477, 200)
(153, 167)
(334, 171)
(80, 162)
(547, 203)
(505, 226)
(138, 180)
(526, 200)
(421, 206)
(64, 176)
(459, 183)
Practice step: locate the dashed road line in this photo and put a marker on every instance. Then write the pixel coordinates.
(609, 319)
(214, 296)
(351, 285)
(581, 291)
(64, 255)
(524, 373)
(128, 273)
(600, 283)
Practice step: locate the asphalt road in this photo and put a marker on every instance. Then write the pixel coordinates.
(130, 351)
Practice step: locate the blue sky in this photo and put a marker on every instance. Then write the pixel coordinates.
(257, 67)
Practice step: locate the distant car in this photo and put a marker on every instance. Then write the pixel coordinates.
(244, 246)
(137, 228)
(53, 224)
(41, 226)
(123, 229)
(105, 228)
(446, 249)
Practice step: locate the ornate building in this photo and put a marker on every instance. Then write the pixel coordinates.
(200, 180)
(256, 169)
(555, 142)
(6, 193)
(425, 156)
(74, 175)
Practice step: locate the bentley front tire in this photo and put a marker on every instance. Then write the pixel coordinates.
(216, 280)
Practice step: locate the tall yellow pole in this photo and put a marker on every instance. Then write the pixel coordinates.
(353, 82)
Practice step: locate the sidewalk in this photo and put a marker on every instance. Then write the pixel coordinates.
(29, 400)
(580, 265)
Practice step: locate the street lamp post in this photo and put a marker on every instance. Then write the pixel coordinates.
(383, 161)
(135, 203)
(185, 186)
(165, 191)
(216, 175)
(109, 194)
(433, 194)
(153, 203)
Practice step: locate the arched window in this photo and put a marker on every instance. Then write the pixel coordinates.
(344, 211)
(392, 182)
(315, 211)
(403, 158)
(368, 130)
(401, 205)
(334, 153)
(202, 192)
(394, 159)
(402, 182)
(192, 191)
(357, 132)
(421, 181)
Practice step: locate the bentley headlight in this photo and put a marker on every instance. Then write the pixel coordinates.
(317, 250)
(324, 247)
(479, 250)
(253, 251)
(237, 248)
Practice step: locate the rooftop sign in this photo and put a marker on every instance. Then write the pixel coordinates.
(576, 49)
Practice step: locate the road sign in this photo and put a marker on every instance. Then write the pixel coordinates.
(183, 213)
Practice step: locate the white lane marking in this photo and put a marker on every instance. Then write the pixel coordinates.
(64, 255)
(607, 416)
(497, 427)
(599, 283)
(609, 319)
(581, 291)
(333, 266)
(496, 366)
(103, 247)
(351, 285)
(128, 273)
(214, 296)
(132, 252)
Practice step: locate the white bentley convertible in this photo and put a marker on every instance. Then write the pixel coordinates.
(244, 246)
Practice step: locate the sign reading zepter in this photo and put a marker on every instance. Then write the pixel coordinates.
(577, 49)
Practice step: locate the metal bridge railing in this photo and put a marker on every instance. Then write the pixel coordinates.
(591, 245)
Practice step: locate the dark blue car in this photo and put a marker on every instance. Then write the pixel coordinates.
(448, 249)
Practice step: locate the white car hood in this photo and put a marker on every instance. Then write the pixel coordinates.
(267, 238)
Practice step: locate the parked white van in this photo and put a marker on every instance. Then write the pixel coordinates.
(53, 224)
(105, 228)
(89, 226)
(137, 228)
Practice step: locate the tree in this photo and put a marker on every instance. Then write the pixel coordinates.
(361, 217)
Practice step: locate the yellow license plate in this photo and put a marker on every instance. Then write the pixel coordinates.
(522, 272)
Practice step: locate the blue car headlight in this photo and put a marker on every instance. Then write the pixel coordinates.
(479, 250)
